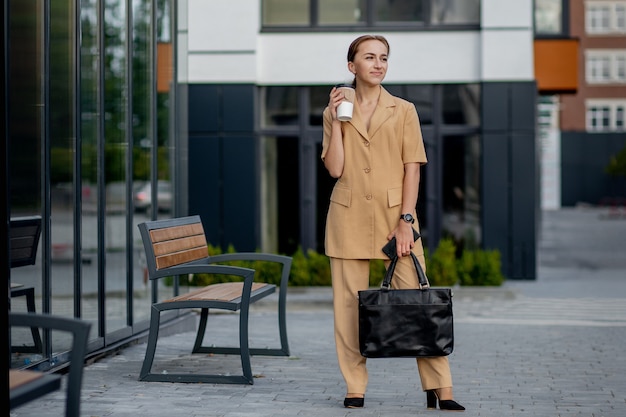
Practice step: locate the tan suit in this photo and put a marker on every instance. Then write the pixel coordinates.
(364, 208)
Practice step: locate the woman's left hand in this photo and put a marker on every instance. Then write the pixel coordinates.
(404, 239)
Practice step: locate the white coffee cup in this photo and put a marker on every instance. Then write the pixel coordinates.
(345, 108)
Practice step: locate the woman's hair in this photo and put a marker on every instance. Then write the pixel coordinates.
(354, 47)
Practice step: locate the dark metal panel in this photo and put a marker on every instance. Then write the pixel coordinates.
(203, 108)
(239, 203)
(510, 195)
(495, 106)
(523, 204)
(584, 157)
(523, 106)
(495, 186)
(205, 186)
(238, 108)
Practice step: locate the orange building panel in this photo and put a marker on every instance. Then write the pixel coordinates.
(556, 65)
(164, 67)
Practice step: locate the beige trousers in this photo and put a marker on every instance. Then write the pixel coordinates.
(349, 276)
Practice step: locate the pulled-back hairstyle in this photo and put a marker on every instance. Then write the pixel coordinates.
(354, 47)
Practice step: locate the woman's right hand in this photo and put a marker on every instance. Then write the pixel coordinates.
(336, 97)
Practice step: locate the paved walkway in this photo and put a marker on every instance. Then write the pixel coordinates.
(551, 347)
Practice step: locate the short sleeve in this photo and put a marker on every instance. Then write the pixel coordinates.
(328, 122)
(413, 149)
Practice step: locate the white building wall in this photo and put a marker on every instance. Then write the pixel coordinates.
(507, 40)
(415, 57)
(220, 42)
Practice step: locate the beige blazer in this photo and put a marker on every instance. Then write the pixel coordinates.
(366, 200)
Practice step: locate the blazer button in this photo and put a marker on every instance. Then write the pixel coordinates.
(367, 170)
(367, 144)
(368, 197)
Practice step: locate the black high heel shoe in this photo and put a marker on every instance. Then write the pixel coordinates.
(353, 402)
(448, 405)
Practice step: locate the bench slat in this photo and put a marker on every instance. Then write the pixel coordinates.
(228, 291)
(176, 232)
(18, 377)
(182, 257)
(177, 245)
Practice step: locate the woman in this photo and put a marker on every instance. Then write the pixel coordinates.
(376, 158)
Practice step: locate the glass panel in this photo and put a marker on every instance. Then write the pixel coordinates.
(598, 18)
(606, 117)
(548, 17)
(620, 17)
(62, 139)
(334, 12)
(280, 186)
(461, 189)
(25, 101)
(319, 97)
(286, 12)
(399, 10)
(142, 147)
(455, 12)
(165, 144)
(461, 104)
(620, 65)
(280, 106)
(115, 157)
(619, 118)
(89, 152)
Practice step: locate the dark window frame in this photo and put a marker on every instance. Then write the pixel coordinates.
(369, 23)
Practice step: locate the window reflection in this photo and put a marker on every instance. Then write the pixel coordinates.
(461, 189)
(25, 139)
(89, 154)
(399, 10)
(461, 104)
(548, 17)
(281, 106)
(319, 97)
(286, 12)
(62, 134)
(341, 11)
(280, 187)
(455, 12)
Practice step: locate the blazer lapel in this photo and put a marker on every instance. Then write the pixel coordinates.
(384, 110)
(357, 121)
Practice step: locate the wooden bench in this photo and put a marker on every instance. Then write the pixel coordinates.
(24, 233)
(28, 385)
(178, 247)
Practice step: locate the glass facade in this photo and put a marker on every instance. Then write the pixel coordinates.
(291, 129)
(89, 133)
(396, 14)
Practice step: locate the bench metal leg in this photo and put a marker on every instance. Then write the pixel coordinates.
(243, 350)
(282, 327)
(29, 293)
(285, 263)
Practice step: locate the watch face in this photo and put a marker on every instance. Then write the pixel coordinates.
(407, 218)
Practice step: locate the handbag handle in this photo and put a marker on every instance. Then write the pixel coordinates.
(423, 280)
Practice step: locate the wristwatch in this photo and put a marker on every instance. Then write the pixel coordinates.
(407, 218)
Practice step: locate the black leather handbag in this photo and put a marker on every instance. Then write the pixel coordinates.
(409, 323)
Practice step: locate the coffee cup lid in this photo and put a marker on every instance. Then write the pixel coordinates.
(344, 86)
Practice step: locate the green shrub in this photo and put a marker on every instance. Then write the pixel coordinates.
(300, 275)
(377, 272)
(480, 267)
(441, 267)
(473, 267)
(319, 268)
